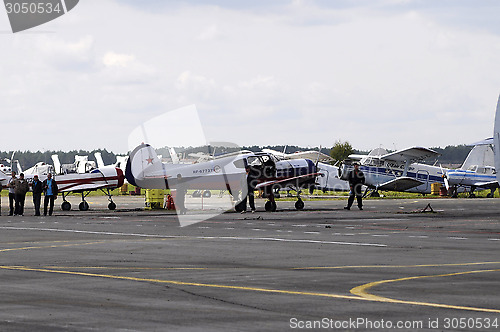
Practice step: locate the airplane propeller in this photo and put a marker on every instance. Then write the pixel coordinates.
(445, 178)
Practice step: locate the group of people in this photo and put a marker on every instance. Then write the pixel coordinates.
(19, 186)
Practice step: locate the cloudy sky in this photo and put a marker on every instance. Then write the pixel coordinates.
(391, 73)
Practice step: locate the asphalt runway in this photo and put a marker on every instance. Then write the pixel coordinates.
(323, 268)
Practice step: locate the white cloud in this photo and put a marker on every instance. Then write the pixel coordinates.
(303, 73)
(111, 59)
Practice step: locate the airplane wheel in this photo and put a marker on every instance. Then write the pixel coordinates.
(270, 206)
(112, 206)
(238, 207)
(66, 206)
(83, 206)
(207, 194)
(472, 196)
(375, 194)
(299, 205)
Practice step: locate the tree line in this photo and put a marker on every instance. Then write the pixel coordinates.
(339, 151)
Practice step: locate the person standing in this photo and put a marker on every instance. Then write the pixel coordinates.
(37, 194)
(50, 189)
(21, 188)
(251, 183)
(356, 180)
(12, 193)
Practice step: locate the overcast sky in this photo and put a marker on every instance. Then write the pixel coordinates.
(391, 73)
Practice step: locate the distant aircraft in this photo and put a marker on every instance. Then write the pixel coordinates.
(145, 170)
(396, 171)
(477, 171)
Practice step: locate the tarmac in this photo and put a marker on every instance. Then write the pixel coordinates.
(388, 267)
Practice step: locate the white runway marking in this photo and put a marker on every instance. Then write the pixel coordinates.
(194, 237)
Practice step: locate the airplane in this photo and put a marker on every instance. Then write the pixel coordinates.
(144, 169)
(83, 177)
(80, 177)
(477, 171)
(396, 171)
(328, 180)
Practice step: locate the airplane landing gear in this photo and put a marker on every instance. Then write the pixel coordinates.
(111, 205)
(299, 205)
(66, 206)
(270, 206)
(83, 206)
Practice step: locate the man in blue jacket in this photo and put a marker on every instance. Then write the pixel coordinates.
(37, 188)
(50, 189)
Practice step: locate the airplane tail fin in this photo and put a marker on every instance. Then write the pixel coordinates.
(19, 168)
(144, 169)
(496, 140)
(98, 158)
(173, 155)
(57, 164)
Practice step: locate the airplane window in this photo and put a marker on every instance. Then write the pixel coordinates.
(254, 161)
(240, 163)
(472, 168)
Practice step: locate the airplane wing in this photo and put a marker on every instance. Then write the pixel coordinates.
(357, 156)
(400, 184)
(489, 185)
(106, 177)
(313, 155)
(414, 154)
(486, 141)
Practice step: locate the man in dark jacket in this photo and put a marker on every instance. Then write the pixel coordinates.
(251, 183)
(356, 180)
(21, 188)
(50, 189)
(37, 194)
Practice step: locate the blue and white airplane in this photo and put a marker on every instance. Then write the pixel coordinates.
(477, 171)
(396, 171)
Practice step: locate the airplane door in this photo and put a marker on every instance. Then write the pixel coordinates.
(423, 175)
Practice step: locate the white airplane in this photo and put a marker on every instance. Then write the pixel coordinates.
(145, 170)
(477, 171)
(396, 171)
(80, 177)
(83, 177)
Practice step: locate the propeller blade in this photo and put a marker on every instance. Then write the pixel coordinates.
(445, 178)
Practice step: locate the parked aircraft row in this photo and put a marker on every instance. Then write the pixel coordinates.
(402, 170)
(82, 177)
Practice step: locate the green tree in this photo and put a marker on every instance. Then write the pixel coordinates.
(341, 150)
